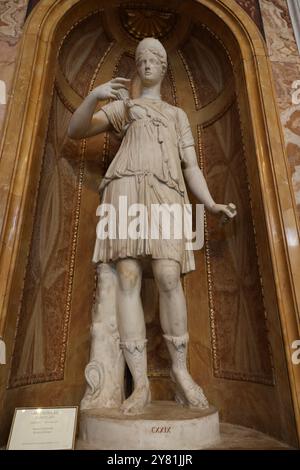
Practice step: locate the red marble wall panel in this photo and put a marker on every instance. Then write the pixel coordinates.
(253, 9)
(12, 14)
(285, 61)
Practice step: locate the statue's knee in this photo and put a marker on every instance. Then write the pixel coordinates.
(129, 278)
(168, 280)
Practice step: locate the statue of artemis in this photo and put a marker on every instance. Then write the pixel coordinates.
(156, 158)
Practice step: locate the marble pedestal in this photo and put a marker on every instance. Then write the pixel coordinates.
(163, 425)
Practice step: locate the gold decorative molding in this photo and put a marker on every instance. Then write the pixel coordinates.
(142, 21)
(173, 85)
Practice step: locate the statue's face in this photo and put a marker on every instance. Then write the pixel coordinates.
(150, 68)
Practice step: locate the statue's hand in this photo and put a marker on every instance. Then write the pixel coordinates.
(117, 88)
(227, 212)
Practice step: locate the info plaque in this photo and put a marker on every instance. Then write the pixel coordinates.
(43, 428)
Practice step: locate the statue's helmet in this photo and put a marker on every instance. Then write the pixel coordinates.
(153, 45)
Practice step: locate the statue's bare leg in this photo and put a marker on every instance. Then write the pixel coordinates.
(132, 331)
(173, 318)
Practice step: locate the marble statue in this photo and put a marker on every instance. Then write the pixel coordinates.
(155, 162)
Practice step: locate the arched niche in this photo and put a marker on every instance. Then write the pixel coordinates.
(242, 299)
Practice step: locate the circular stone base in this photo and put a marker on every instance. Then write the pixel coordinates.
(163, 425)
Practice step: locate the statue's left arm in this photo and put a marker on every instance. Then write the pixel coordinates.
(193, 174)
(198, 186)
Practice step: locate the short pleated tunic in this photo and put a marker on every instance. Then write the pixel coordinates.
(147, 170)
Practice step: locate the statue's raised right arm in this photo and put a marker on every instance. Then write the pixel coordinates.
(85, 122)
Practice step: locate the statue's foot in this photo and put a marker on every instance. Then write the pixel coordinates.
(188, 393)
(103, 400)
(137, 401)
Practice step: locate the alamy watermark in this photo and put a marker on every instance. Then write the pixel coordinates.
(159, 222)
(2, 92)
(296, 353)
(296, 92)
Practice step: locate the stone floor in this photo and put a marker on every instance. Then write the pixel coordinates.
(235, 437)
(239, 438)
